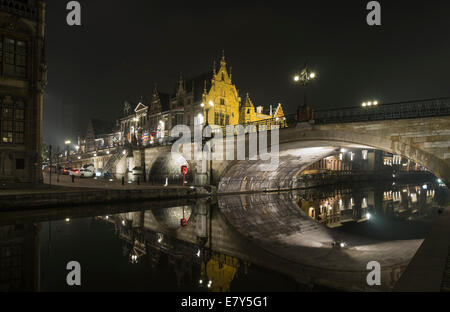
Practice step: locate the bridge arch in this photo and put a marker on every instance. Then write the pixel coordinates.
(302, 146)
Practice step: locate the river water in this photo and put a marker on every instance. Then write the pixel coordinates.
(315, 239)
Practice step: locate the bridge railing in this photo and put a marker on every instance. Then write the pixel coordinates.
(413, 109)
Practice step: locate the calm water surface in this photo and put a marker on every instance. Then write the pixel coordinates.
(258, 242)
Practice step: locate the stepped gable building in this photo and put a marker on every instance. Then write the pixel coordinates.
(100, 134)
(210, 98)
(22, 81)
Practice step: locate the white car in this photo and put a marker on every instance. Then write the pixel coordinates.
(86, 173)
(82, 173)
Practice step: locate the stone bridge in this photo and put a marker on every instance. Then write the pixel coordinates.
(425, 141)
(418, 131)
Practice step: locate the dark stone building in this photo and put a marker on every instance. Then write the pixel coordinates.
(22, 80)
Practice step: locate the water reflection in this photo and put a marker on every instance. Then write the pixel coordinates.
(335, 207)
(286, 240)
(147, 235)
(331, 234)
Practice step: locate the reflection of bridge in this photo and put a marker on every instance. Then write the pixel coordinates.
(269, 230)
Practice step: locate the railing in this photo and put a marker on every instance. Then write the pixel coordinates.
(113, 160)
(404, 110)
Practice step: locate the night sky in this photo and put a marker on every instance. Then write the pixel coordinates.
(124, 47)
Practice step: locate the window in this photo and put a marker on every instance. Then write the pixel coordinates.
(13, 57)
(20, 163)
(12, 120)
(222, 101)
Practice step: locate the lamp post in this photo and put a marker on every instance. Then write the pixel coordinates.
(135, 119)
(369, 104)
(67, 143)
(207, 108)
(304, 78)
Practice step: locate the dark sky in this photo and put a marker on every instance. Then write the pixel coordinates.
(124, 47)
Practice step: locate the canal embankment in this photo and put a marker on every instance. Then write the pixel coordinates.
(64, 192)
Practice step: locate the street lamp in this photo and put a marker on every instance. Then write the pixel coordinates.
(67, 143)
(369, 103)
(304, 78)
(207, 108)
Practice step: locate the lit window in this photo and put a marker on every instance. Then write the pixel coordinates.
(12, 120)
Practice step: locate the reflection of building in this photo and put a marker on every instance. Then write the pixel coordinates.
(19, 257)
(353, 159)
(221, 270)
(191, 262)
(22, 80)
(343, 205)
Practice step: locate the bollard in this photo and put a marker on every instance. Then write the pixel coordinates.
(73, 179)
(123, 180)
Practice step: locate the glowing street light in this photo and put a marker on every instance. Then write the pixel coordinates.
(369, 103)
(305, 76)
(67, 142)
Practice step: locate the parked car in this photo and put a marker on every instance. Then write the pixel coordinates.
(137, 171)
(75, 172)
(89, 167)
(82, 173)
(86, 173)
(65, 171)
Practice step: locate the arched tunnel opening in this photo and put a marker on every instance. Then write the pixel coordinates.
(167, 169)
(309, 163)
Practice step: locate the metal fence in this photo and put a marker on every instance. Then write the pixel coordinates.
(405, 110)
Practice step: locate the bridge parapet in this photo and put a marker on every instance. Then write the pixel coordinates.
(404, 110)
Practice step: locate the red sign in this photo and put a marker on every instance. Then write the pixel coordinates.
(184, 169)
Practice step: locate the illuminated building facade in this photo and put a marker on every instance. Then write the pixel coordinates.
(209, 98)
(22, 81)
